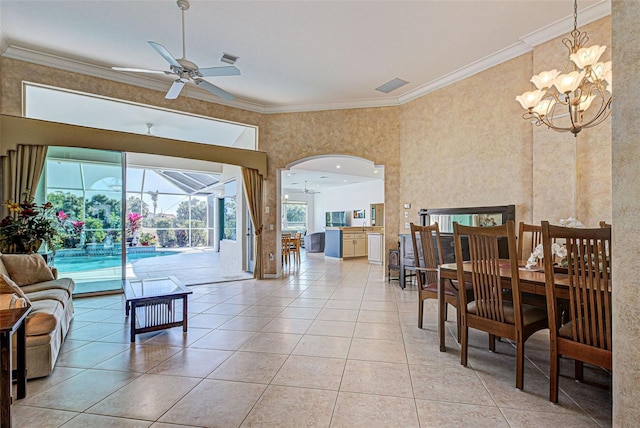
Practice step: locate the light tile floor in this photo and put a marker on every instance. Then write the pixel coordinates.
(331, 344)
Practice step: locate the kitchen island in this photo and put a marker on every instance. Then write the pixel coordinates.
(348, 242)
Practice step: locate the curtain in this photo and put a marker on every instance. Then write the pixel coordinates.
(252, 184)
(21, 170)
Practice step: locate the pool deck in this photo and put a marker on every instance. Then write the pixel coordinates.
(191, 267)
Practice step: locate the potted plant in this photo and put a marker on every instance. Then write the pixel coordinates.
(147, 239)
(133, 225)
(28, 225)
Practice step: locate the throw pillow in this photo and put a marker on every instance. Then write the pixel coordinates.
(11, 301)
(27, 269)
(7, 286)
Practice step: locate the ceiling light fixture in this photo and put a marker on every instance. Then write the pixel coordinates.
(337, 166)
(584, 81)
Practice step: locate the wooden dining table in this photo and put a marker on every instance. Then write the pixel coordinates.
(532, 281)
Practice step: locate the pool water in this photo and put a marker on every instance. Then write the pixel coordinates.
(84, 263)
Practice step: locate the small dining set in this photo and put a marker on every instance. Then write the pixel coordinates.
(567, 290)
(291, 244)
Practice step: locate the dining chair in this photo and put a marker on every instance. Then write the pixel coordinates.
(510, 319)
(428, 256)
(295, 245)
(533, 234)
(286, 248)
(586, 336)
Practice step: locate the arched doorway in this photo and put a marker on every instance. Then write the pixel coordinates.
(311, 187)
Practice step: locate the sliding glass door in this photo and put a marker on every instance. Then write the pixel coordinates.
(85, 187)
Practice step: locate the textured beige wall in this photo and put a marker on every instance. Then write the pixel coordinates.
(373, 134)
(467, 145)
(626, 206)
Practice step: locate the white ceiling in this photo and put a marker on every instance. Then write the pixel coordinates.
(294, 55)
(326, 172)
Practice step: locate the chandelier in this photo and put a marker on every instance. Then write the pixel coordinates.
(580, 92)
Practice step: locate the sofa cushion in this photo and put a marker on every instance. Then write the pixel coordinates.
(51, 294)
(66, 284)
(26, 269)
(9, 287)
(44, 317)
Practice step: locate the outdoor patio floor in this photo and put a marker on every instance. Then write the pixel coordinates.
(192, 267)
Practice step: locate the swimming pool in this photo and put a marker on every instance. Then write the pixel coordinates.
(85, 263)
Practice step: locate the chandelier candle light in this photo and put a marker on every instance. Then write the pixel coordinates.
(580, 91)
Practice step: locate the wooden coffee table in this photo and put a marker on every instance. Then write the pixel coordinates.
(152, 304)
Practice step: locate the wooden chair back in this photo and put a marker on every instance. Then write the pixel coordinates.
(485, 269)
(296, 244)
(534, 233)
(427, 257)
(589, 273)
(286, 247)
(492, 311)
(586, 335)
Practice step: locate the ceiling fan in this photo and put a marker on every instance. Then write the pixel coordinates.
(306, 190)
(185, 69)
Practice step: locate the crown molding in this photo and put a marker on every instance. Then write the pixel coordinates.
(524, 45)
(48, 60)
(334, 105)
(483, 64)
(565, 25)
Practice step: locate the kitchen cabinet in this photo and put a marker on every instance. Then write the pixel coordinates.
(354, 244)
(348, 242)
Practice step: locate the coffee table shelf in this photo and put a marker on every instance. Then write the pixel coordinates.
(153, 304)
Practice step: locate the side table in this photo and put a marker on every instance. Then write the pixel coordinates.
(12, 320)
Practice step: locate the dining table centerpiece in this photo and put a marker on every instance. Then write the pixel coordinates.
(28, 226)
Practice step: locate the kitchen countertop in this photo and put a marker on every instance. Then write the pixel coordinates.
(369, 229)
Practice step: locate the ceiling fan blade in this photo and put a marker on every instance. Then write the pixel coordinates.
(219, 71)
(175, 89)
(140, 70)
(214, 89)
(165, 54)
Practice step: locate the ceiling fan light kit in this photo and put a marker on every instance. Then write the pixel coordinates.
(186, 70)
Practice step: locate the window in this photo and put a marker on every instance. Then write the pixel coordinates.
(294, 217)
(229, 211)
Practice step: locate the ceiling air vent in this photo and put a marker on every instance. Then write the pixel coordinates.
(391, 85)
(228, 58)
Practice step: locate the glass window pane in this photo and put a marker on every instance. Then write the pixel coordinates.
(102, 177)
(134, 179)
(154, 182)
(63, 175)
